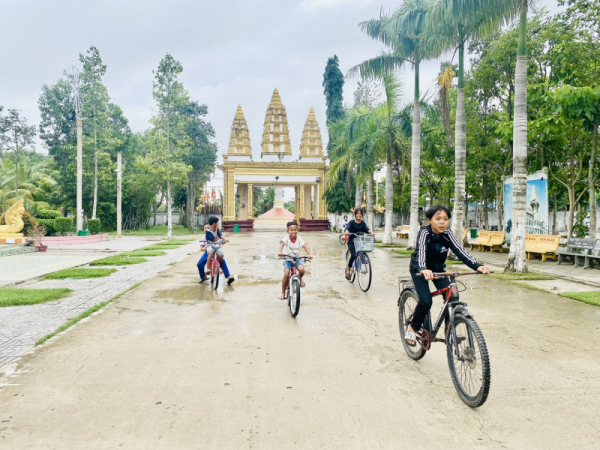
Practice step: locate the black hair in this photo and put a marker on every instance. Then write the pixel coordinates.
(291, 224)
(434, 209)
(345, 216)
(212, 220)
(358, 210)
(205, 223)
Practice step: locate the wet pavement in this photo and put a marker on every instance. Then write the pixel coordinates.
(174, 364)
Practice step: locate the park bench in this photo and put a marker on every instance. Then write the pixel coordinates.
(403, 232)
(541, 244)
(495, 242)
(483, 237)
(593, 256)
(576, 250)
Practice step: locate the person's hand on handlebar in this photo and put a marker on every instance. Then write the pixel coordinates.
(310, 257)
(484, 269)
(280, 254)
(428, 274)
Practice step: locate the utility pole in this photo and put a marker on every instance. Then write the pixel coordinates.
(119, 212)
(79, 216)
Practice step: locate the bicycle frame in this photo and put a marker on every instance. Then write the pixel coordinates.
(358, 254)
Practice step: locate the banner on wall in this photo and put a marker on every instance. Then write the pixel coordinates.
(536, 207)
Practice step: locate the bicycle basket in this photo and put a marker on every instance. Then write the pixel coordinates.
(364, 243)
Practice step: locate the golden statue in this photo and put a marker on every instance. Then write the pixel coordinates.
(14, 221)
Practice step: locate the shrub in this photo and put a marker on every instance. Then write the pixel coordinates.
(93, 225)
(63, 225)
(28, 220)
(107, 213)
(48, 214)
(580, 228)
(48, 224)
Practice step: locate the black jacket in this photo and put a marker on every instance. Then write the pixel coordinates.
(432, 249)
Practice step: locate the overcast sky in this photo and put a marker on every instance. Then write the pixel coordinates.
(233, 52)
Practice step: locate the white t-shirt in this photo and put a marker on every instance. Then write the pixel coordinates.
(292, 248)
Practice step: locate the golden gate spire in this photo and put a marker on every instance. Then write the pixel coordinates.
(276, 135)
(239, 140)
(311, 145)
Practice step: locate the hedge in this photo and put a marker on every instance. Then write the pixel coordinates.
(93, 225)
(48, 214)
(48, 224)
(63, 225)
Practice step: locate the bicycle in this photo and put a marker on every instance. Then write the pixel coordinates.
(215, 266)
(362, 262)
(466, 351)
(292, 292)
(343, 239)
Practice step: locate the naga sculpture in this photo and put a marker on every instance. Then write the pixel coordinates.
(13, 219)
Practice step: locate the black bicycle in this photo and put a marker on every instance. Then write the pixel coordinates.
(362, 263)
(292, 293)
(466, 350)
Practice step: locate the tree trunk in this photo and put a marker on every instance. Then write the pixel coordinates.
(592, 185)
(571, 193)
(370, 210)
(517, 261)
(119, 196)
(389, 202)
(358, 196)
(460, 150)
(554, 227)
(16, 170)
(169, 209)
(190, 201)
(500, 206)
(415, 165)
(95, 204)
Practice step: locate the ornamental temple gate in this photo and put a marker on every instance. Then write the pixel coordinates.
(276, 169)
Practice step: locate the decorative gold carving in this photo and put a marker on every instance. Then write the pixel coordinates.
(239, 139)
(276, 135)
(311, 145)
(14, 220)
(302, 201)
(250, 201)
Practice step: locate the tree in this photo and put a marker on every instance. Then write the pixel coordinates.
(517, 261)
(16, 134)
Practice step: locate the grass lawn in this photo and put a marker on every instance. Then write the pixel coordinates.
(144, 253)
(529, 286)
(118, 260)
(79, 274)
(452, 262)
(522, 276)
(390, 246)
(177, 241)
(402, 252)
(15, 296)
(158, 230)
(591, 297)
(160, 247)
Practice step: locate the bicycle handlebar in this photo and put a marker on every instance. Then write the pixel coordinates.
(454, 274)
(293, 258)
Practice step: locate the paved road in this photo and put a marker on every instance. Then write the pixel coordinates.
(175, 365)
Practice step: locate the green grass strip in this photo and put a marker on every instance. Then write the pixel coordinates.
(522, 276)
(161, 247)
(390, 246)
(591, 297)
(144, 253)
(453, 262)
(118, 261)
(402, 252)
(79, 274)
(531, 287)
(83, 315)
(16, 296)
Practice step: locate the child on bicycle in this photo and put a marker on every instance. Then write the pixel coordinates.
(202, 262)
(290, 246)
(212, 234)
(352, 228)
(433, 242)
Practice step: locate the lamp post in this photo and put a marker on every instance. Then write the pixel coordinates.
(77, 105)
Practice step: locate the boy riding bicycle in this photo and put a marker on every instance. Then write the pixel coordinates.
(433, 243)
(290, 246)
(202, 262)
(213, 246)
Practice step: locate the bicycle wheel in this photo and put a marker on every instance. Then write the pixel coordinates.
(215, 274)
(352, 271)
(470, 369)
(294, 296)
(342, 240)
(406, 308)
(364, 272)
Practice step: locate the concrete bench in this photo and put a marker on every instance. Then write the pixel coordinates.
(593, 256)
(403, 232)
(577, 249)
(495, 242)
(483, 237)
(541, 244)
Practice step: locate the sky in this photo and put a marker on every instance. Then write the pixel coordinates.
(233, 53)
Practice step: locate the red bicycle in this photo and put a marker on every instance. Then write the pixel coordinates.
(292, 293)
(215, 266)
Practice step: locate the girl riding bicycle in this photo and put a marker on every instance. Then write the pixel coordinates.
(355, 226)
(433, 243)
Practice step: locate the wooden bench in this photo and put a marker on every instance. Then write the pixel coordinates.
(576, 250)
(593, 256)
(403, 232)
(483, 237)
(541, 244)
(496, 241)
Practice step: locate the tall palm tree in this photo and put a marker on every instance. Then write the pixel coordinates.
(457, 22)
(517, 261)
(410, 41)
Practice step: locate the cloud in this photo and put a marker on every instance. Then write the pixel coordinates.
(321, 5)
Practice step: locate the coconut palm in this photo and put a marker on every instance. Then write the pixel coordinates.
(458, 22)
(517, 261)
(410, 41)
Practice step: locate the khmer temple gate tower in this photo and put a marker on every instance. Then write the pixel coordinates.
(275, 169)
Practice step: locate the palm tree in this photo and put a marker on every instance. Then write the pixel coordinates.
(460, 21)
(517, 261)
(409, 39)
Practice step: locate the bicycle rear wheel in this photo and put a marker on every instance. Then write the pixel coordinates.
(294, 297)
(470, 366)
(342, 240)
(406, 308)
(215, 274)
(364, 271)
(352, 271)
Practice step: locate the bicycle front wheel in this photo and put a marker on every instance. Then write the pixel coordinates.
(468, 361)
(352, 271)
(406, 309)
(215, 275)
(294, 297)
(365, 272)
(342, 240)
